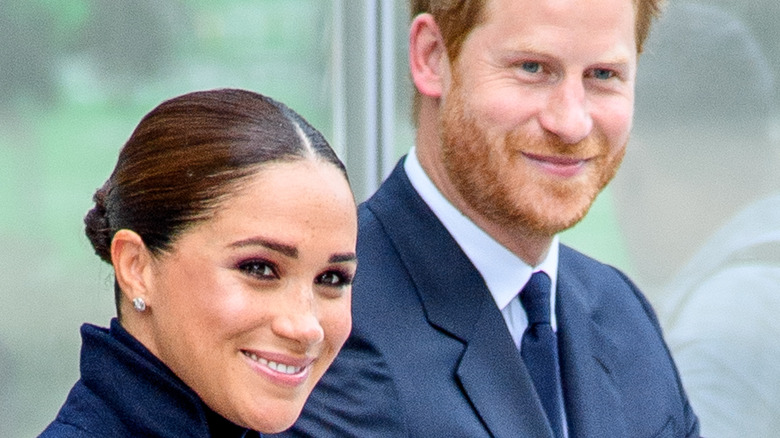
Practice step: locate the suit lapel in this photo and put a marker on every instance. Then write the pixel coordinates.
(456, 300)
(592, 399)
(498, 384)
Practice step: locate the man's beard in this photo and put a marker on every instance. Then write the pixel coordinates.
(496, 182)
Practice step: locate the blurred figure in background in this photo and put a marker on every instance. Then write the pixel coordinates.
(699, 205)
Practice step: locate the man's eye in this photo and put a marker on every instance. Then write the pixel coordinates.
(603, 74)
(258, 269)
(531, 67)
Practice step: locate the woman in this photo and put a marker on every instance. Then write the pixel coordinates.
(231, 228)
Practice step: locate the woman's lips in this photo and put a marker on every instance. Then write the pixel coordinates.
(282, 369)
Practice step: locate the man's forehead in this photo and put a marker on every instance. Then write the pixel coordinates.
(563, 28)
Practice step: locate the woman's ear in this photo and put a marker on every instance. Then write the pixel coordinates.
(132, 265)
(428, 59)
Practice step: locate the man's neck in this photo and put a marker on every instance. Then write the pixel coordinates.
(530, 247)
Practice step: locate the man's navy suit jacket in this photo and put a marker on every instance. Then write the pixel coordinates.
(430, 354)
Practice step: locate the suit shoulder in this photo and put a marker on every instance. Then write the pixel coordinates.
(599, 277)
(367, 219)
(584, 264)
(374, 245)
(591, 271)
(60, 429)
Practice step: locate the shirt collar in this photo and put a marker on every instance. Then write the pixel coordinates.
(490, 258)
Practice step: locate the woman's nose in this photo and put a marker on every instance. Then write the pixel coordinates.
(297, 320)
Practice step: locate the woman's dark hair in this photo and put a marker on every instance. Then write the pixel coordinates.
(187, 155)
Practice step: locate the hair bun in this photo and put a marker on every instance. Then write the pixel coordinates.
(97, 226)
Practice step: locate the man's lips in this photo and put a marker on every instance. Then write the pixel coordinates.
(566, 167)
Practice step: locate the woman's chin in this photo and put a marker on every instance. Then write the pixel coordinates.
(275, 421)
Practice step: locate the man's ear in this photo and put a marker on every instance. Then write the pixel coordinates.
(132, 265)
(428, 59)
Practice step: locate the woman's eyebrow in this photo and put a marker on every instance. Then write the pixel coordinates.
(340, 258)
(288, 250)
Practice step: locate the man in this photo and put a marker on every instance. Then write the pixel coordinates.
(699, 200)
(523, 115)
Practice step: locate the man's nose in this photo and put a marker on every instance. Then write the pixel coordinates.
(565, 113)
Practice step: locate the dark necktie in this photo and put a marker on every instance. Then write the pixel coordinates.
(539, 348)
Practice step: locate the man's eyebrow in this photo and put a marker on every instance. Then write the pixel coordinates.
(533, 51)
(288, 250)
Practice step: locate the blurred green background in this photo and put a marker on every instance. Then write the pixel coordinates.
(75, 78)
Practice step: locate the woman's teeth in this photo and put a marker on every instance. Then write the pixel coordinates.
(278, 367)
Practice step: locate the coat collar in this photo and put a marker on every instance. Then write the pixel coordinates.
(456, 301)
(142, 394)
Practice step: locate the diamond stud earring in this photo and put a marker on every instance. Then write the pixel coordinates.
(139, 304)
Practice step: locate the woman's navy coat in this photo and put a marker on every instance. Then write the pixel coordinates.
(125, 391)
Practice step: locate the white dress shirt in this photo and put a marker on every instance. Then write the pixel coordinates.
(504, 273)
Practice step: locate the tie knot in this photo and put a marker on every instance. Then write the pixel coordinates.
(535, 298)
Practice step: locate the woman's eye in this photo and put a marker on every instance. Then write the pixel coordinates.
(334, 279)
(531, 67)
(258, 269)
